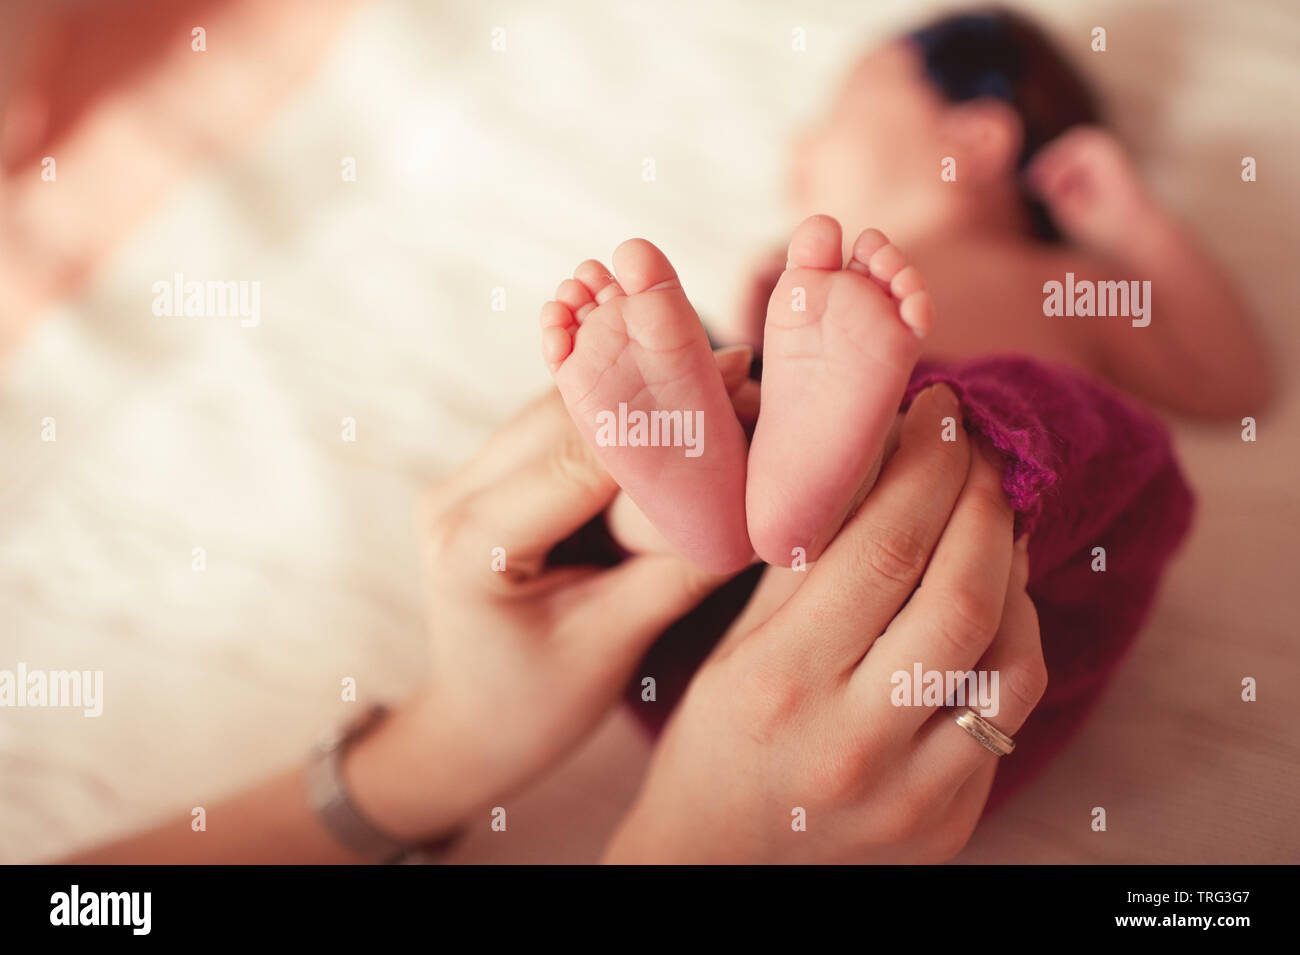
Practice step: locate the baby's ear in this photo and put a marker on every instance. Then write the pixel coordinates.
(986, 136)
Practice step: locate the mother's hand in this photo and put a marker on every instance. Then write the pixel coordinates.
(796, 713)
(525, 658)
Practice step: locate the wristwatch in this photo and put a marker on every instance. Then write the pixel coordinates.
(328, 797)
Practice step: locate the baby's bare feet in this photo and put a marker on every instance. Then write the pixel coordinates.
(839, 348)
(632, 362)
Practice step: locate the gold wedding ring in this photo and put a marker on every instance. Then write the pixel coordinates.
(989, 736)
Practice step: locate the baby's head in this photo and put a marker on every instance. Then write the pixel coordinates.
(987, 89)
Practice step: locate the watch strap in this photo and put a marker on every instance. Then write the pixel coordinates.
(329, 799)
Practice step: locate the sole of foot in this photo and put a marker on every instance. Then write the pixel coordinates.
(634, 367)
(839, 347)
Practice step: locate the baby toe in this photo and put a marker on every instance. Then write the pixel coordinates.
(600, 282)
(575, 295)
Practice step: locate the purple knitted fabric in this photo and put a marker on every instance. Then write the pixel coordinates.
(1085, 467)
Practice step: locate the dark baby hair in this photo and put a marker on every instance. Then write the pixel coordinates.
(1003, 55)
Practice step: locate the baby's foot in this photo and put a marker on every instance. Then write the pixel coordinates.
(838, 350)
(634, 367)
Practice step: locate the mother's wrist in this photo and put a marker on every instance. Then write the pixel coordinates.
(647, 836)
(405, 779)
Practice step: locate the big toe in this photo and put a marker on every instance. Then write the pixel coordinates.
(816, 244)
(641, 267)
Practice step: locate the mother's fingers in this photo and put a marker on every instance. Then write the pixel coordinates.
(526, 512)
(1016, 678)
(612, 617)
(533, 483)
(526, 434)
(778, 583)
(870, 568)
(534, 431)
(955, 613)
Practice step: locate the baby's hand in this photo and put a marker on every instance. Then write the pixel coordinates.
(1091, 187)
